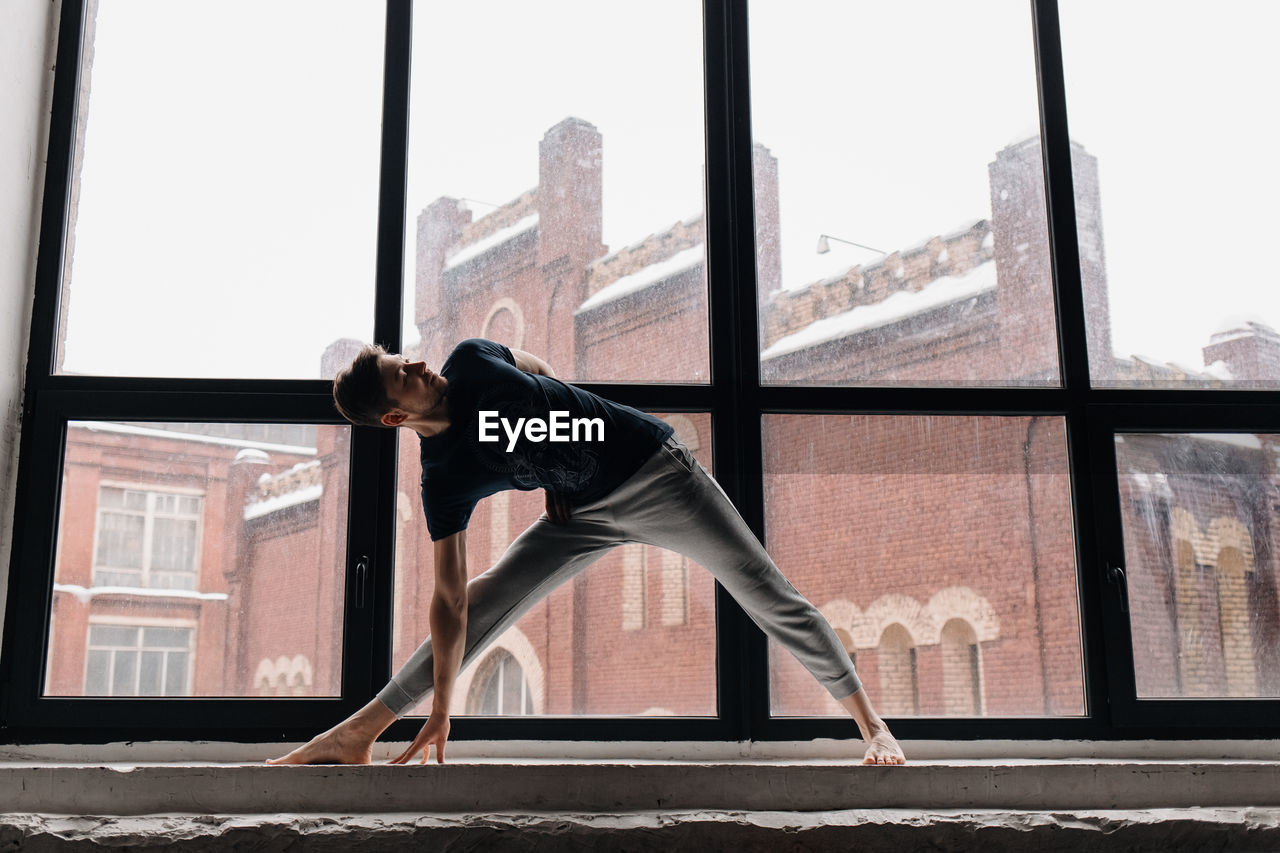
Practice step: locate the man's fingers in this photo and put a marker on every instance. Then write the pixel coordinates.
(440, 752)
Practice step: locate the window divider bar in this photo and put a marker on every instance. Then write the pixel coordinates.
(730, 262)
(1064, 248)
(45, 309)
(1073, 353)
(393, 176)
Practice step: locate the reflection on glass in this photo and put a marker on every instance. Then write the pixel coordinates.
(940, 550)
(1198, 511)
(559, 202)
(199, 560)
(633, 634)
(1182, 296)
(900, 224)
(224, 187)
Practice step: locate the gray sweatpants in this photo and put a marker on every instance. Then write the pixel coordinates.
(671, 502)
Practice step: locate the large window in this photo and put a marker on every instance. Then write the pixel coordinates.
(1023, 463)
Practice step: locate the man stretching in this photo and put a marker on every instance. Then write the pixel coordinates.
(483, 423)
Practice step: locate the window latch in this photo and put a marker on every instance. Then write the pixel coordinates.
(362, 575)
(1115, 574)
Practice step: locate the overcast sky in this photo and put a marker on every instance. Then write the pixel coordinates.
(228, 210)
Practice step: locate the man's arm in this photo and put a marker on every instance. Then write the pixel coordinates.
(530, 363)
(448, 619)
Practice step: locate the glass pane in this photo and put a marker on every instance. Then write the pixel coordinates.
(111, 637)
(1179, 191)
(166, 638)
(97, 673)
(559, 202)
(901, 226)
(233, 189)
(940, 550)
(120, 539)
(633, 634)
(271, 521)
(175, 674)
(149, 678)
(1198, 513)
(124, 678)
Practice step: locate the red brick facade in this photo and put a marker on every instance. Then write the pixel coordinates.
(940, 548)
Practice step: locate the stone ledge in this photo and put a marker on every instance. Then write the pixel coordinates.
(605, 787)
(869, 831)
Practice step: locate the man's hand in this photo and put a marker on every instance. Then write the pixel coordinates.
(434, 731)
(558, 507)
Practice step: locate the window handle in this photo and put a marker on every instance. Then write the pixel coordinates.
(362, 576)
(1115, 574)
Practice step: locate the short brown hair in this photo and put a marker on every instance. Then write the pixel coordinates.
(358, 392)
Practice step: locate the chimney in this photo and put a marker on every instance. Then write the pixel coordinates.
(439, 227)
(768, 257)
(570, 226)
(1250, 350)
(1019, 224)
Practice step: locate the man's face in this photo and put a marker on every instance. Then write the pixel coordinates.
(414, 389)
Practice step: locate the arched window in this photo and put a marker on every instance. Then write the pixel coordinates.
(500, 688)
(899, 675)
(961, 670)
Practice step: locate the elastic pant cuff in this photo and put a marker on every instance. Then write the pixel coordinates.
(845, 687)
(396, 699)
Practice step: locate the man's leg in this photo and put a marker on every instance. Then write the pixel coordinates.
(540, 559)
(675, 504)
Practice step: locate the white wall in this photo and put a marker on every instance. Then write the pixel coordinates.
(27, 46)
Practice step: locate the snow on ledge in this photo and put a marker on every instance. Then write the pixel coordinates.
(128, 429)
(279, 502)
(83, 594)
(652, 274)
(895, 307)
(484, 244)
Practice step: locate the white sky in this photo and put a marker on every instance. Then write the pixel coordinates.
(228, 214)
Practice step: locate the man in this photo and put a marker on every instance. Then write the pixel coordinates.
(624, 479)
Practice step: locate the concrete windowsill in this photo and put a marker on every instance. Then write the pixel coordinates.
(151, 778)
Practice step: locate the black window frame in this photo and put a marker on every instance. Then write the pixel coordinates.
(735, 398)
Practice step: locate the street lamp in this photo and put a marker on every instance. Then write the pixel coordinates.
(824, 244)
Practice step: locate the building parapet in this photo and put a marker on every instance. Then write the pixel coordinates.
(300, 484)
(908, 270)
(653, 249)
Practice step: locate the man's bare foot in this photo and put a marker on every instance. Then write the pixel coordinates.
(336, 746)
(349, 742)
(882, 748)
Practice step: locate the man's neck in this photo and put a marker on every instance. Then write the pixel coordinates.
(433, 423)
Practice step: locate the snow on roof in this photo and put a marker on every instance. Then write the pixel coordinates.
(1240, 323)
(652, 274)
(1219, 370)
(127, 429)
(484, 244)
(897, 306)
(83, 594)
(279, 502)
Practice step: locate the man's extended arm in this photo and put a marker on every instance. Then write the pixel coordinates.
(448, 619)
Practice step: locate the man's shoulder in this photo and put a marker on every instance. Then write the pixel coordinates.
(481, 348)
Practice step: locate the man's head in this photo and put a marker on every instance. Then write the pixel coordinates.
(381, 389)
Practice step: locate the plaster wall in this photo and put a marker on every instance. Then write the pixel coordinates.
(27, 48)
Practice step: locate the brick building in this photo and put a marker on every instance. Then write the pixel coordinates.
(939, 548)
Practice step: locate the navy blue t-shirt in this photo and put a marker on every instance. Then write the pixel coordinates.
(458, 469)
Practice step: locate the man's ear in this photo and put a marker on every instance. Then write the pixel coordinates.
(394, 418)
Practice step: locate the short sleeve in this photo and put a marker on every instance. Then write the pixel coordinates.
(448, 509)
